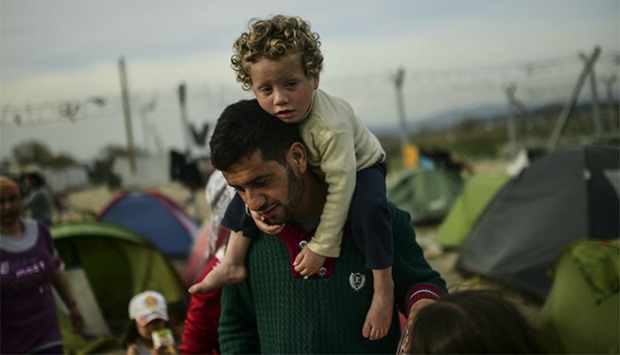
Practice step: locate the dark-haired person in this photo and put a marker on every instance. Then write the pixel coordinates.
(472, 322)
(275, 309)
(37, 200)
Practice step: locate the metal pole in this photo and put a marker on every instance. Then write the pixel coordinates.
(596, 113)
(398, 82)
(570, 104)
(146, 126)
(127, 115)
(613, 120)
(144, 129)
(184, 121)
(512, 132)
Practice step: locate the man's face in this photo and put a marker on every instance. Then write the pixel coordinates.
(272, 190)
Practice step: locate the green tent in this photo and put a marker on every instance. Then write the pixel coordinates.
(107, 265)
(427, 194)
(477, 191)
(581, 314)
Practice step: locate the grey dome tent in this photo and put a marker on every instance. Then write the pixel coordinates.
(563, 197)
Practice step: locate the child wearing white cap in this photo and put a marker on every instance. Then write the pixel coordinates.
(149, 317)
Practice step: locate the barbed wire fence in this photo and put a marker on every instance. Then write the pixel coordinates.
(537, 82)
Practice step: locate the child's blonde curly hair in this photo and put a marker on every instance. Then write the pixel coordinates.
(273, 38)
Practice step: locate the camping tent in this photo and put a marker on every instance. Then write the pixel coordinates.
(427, 194)
(107, 265)
(477, 191)
(581, 314)
(563, 197)
(155, 217)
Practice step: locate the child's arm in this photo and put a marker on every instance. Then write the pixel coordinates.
(339, 166)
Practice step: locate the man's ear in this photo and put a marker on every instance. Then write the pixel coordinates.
(297, 157)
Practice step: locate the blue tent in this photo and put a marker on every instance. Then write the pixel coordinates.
(156, 218)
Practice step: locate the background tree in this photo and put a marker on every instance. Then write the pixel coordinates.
(36, 152)
(101, 172)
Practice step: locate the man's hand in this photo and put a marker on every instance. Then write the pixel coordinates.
(264, 226)
(307, 262)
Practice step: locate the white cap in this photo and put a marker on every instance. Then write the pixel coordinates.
(146, 306)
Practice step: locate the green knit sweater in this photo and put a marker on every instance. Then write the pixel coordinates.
(276, 311)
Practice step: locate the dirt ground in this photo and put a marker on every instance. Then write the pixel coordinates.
(444, 262)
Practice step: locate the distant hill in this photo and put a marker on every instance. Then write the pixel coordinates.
(485, 112)
(444, 119)
(482, 131)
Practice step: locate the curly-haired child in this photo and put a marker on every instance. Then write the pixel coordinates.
(279, 59)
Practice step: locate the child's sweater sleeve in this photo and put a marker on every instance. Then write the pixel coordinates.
(339, 166)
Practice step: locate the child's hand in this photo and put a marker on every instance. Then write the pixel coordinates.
(308, 262)
(264, 226)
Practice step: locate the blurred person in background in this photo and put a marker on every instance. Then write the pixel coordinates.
(471, 322)
(59, 206)
(29, 267)
(148, 313)
(38, 199)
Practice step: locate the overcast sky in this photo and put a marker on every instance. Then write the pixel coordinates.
(57, 56)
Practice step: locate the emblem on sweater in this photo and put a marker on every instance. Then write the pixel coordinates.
(357, 281)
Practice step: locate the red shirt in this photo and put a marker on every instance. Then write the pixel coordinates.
(203, 314)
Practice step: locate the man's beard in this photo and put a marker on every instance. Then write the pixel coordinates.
(294, 192)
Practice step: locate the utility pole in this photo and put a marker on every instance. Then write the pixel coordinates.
(127, 115)
(570, 104)
(398, 82)
(185, 128)
(512, 134)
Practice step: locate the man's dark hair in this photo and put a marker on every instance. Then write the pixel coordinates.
(36, 178)
(475, 321)
(244, 128)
